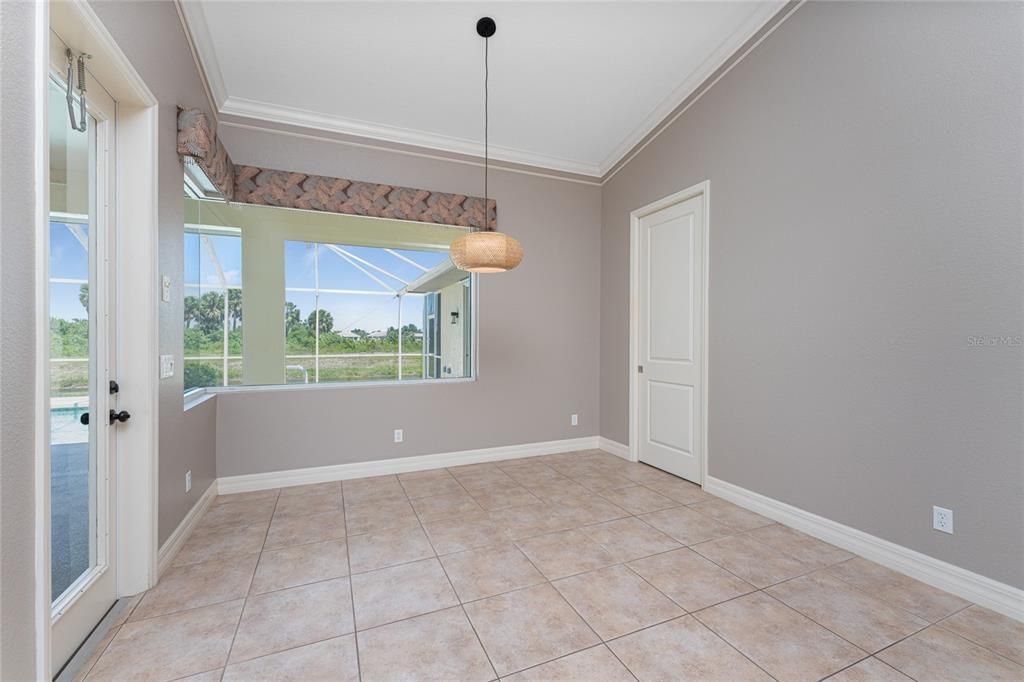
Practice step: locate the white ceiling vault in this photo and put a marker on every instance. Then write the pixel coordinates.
(574, 85)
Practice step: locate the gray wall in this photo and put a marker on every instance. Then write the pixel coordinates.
(151, 35)
(18, 130)
(538, 331)
(866, 220)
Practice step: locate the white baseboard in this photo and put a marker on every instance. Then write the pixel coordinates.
(986, 592)
(174, 543)
(400, 465)
(614, 447)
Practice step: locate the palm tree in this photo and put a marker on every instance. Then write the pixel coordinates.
(292, 316)
(235, 307)
(326, 322)
(83, 296)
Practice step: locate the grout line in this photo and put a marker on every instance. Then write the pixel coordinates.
(351, 589)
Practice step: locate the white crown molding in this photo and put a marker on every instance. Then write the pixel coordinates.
(181, 534)
(339, 472)
(759, 16)
(283, 115)
(986, 592)
(198, 34)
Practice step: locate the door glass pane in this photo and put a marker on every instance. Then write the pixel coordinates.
(72, 346)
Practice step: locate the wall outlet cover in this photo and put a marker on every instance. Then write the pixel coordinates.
(188, 481)
(399, 436)
(574, 420)
(165, 289)
(166, 366)
(942, 519)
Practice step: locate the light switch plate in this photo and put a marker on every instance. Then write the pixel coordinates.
(165, 289)
(166, 366)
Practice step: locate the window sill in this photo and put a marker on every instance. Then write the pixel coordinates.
(196, 397)
(215, 390)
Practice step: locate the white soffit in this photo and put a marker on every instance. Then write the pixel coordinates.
(574, 85)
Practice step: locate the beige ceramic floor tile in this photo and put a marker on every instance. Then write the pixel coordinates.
(630, 538)
(527, 627)
(245, 513)
(869, 670)
(937, 654)
(597, 664)
(208, 676)
(758, 564)
(731, 515)
(435, 646)
(299, 565)
(554, 491)
(599, 482)
(681, 491)
(388, 548)
(391, 594)
(445, 506)
(809, 551)
(304, 505)
(375, 488)
(689, 579)
(367, 517)
(429, 483)
(152, 649)
(899, 590)
(645, 474)
(303, 530)
(992, 630)
(638, 499)
(683, 649)
(852, 614)
(331, 661)
(503, 497)
(469, 532)
(561, 554)
(590, 508)
(186, 587)
(687, 526)
(615, 601)
(293, 617)
(535, 519)
(219, 543)
(778, 639)
(312, 489)
(97, 652)
(486, 572)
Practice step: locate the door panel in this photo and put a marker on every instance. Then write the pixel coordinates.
(670, 339)
(81, 361)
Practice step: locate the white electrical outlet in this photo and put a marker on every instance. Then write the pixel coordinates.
(166, 366)
(165, 289)
(188, 481)
(574, 420)
(942, 519)
(398, 435)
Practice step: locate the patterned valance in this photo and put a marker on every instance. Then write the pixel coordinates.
(337, 195)
(251, 185)
(198, 144)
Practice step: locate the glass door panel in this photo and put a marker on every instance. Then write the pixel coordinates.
(73, 436)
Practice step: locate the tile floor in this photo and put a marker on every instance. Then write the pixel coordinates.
(576, 566)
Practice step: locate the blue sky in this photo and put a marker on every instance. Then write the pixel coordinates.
(68, 260)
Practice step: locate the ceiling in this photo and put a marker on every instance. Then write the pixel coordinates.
(573, 85)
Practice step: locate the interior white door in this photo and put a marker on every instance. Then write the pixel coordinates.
(81, 363)
(670, 339)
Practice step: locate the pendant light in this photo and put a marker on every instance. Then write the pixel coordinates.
(485, 249)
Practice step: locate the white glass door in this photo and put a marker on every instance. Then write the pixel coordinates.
(81, 360)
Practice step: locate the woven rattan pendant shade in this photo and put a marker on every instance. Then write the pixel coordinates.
(485, 250)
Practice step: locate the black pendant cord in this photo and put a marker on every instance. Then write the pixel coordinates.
(487, 74)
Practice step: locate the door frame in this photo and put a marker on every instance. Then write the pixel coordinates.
(701, 189)
(136, 195)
